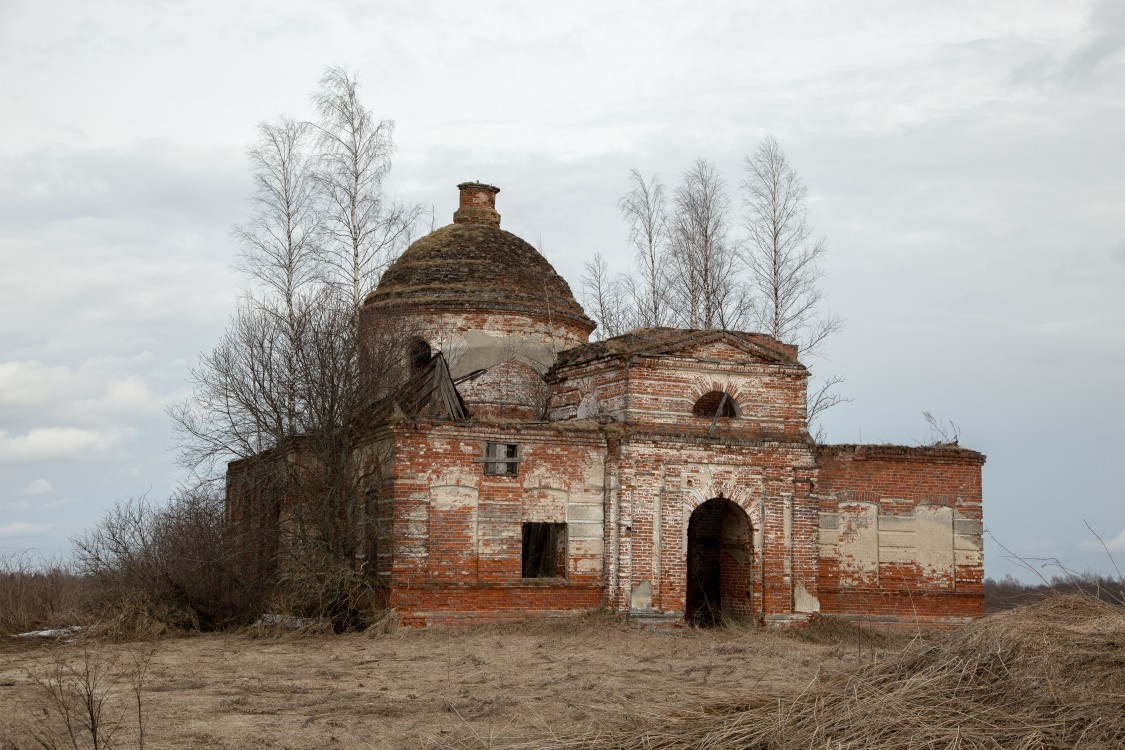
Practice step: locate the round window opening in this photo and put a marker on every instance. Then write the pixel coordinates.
(715, 404)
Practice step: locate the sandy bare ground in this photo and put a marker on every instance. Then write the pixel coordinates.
(472, 687)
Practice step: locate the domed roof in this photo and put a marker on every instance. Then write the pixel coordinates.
(472, 264)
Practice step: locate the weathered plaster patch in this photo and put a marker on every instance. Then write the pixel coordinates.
(803, 601)
(641, 596)
(934, 546)
(453, 497)
(858, 545)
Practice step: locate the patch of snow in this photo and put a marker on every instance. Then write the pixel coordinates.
(287, 621)
(53, 633)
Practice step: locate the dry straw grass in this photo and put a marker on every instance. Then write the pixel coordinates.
(37, 594)
(1048, 675)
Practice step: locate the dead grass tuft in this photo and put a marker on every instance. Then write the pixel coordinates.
(1048, 675)
(836, 631)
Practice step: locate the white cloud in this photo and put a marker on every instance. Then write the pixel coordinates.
(19, 529)
(1106, 37)
(38, 487)
(27, 383)
(52, 444)
(129, 395)
(97, 391)
(1116, 544)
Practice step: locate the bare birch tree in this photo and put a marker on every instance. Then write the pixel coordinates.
(644, 209)
(237, 410)
(782, 255)
(284, 390)
(238, 406)
(782, 258)
(280, 239)
(366, 227)
(606, 296)
(331, 524)
(703, 260)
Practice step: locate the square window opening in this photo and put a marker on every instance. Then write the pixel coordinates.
(501, 459)
(544, 550)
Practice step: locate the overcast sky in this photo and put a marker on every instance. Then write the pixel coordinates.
(965, 161)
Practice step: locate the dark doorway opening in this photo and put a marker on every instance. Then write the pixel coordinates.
(720, 579)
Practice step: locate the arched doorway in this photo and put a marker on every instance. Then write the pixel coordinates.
(719, 563)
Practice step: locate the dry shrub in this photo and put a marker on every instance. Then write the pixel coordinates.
(385, 624)
(123, 615)
(319, 587)
(37, 594)
(1048, 675)
(156, 567)
(84, 698)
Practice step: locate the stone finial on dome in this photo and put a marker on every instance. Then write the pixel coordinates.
(478, 204)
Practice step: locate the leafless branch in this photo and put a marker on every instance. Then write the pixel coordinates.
(703, 260)
(822, 397)
(606, 296)
(782, 256)
(645, 211)
(1106, 549)
(366, 228)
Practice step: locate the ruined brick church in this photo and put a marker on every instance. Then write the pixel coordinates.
(665, 474)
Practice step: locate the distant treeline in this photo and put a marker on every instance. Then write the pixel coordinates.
(1008, 592)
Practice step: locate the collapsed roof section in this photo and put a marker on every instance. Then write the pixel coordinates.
(429, 393)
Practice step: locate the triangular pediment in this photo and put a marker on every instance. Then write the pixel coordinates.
(729, 346)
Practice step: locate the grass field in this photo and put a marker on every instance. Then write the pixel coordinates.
(1049, 674)
(474, 687)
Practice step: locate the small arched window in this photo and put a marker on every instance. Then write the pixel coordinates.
(419, 355)
(715, 404)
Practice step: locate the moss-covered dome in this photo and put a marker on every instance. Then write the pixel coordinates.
(473, 265)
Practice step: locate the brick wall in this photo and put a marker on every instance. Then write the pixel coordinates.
(901, 533)
(666, 462)
(456, 533)
(253, 512)
(473, 340)
(661, 479)
(510, 391)
(660, 391)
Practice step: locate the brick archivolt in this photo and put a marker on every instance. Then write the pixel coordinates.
(692, 497)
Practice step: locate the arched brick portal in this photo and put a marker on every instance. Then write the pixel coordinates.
(720, 577)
